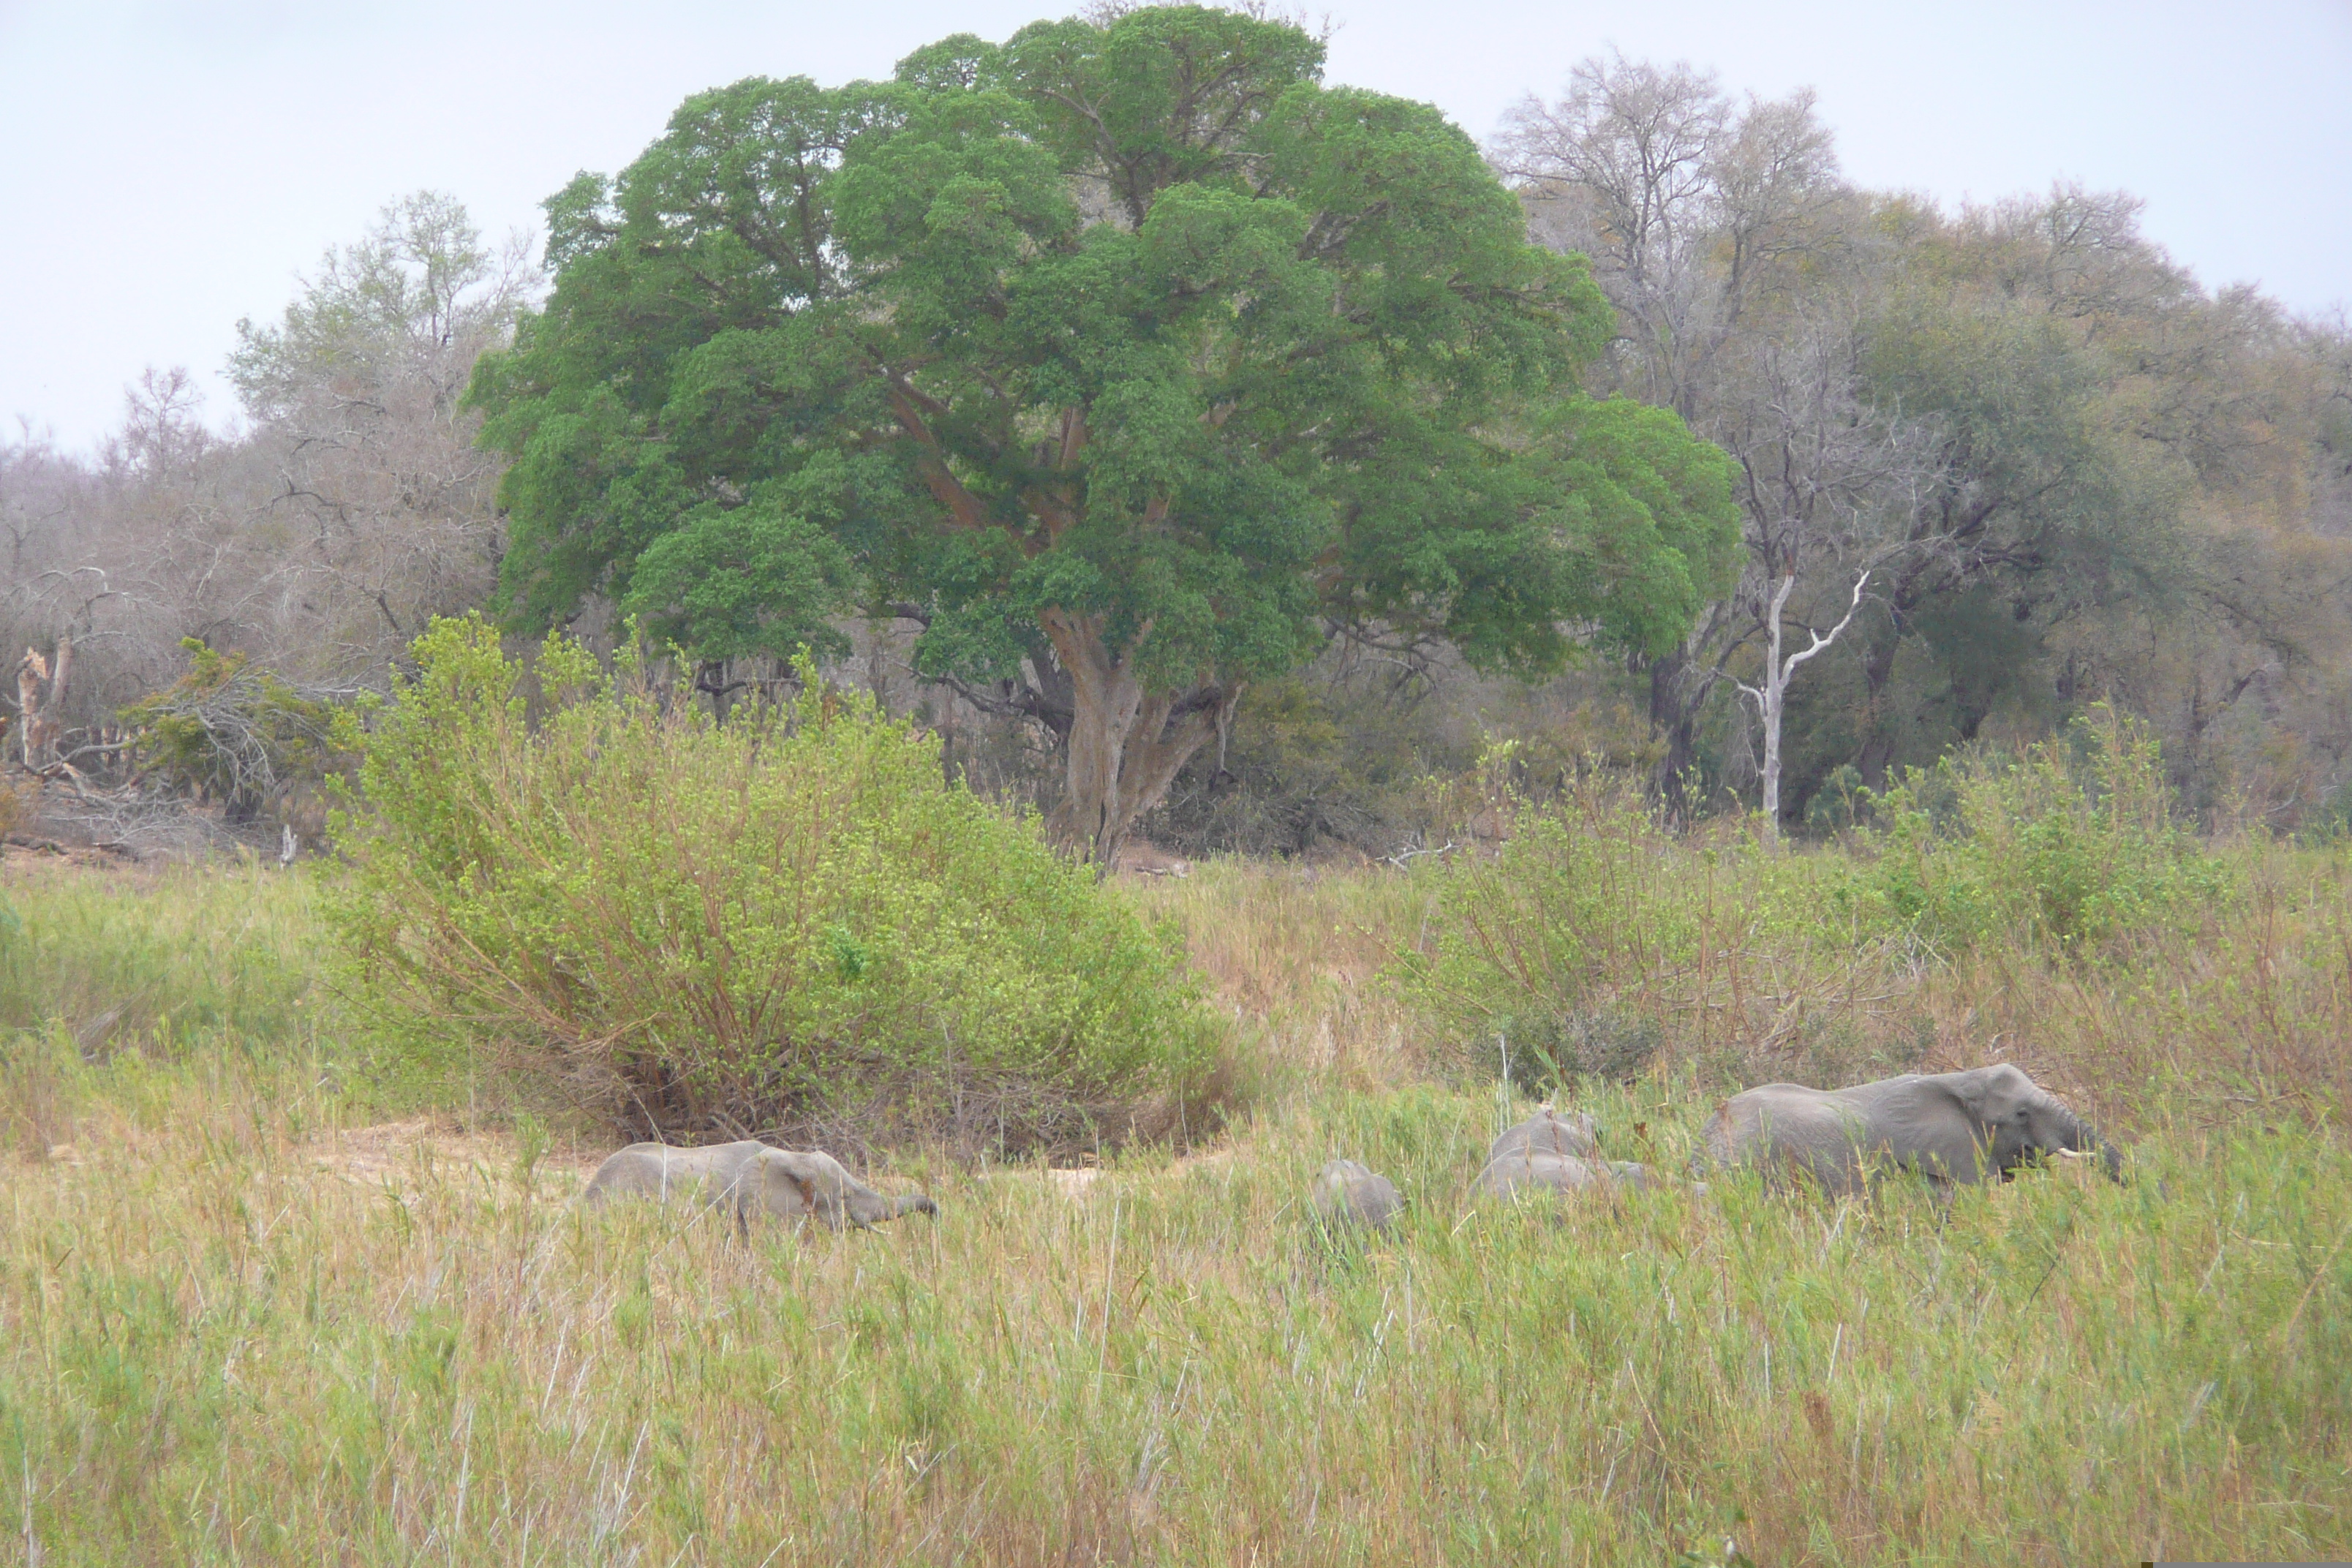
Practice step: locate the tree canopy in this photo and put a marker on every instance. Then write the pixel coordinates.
(1130, 341)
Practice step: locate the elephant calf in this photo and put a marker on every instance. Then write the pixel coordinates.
(1952, 1127)
(1349, 1194)
(749, 1178)
(1549, 1151)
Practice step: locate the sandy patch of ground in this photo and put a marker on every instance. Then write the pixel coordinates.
(394, 1153)
(1083, 1180)
(1073, 1183)
(24, 856)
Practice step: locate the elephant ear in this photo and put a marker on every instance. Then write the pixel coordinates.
(790, 1190)
(1995, 1095)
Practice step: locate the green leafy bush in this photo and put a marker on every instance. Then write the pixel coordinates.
(2068, 846)
(1598, 940)
(1550, 955)
(786, 922)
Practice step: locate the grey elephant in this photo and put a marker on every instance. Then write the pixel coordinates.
(1549, 1133)
(1555, 1153)
(749, 1179)
(1348, 1194)
(1953, 1127)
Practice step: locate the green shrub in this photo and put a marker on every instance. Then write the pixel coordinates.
(1556, 943)
(164, 963)
(2068, 846)
(785, 922)
(1598, 940)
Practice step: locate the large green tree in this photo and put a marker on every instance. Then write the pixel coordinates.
(1127, 357)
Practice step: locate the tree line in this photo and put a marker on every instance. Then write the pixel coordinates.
(2070, 472)
(1204, 446)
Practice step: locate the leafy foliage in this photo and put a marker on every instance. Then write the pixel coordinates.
(1586, 904)
(1595, 936)
(787, 922)
(2066, 847)
(1133, 337)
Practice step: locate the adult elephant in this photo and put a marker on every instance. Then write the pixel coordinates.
(1952, 1127)
(751, 1179)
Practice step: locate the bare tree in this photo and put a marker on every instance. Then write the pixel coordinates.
(316, 544)
(1771, 697)
(1744, 273)
(356, 396)
(1689, 205)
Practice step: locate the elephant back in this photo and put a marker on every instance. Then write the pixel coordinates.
(1347, 1193)
(1575, 1135)
(1542, 1174)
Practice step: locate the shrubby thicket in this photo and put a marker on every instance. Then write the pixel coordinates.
(1597, 935)
(788, 924)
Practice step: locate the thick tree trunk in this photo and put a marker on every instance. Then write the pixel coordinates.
(1126, 744)
(1771, 698)
(31, 670)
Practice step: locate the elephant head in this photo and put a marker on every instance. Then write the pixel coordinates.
(795, 1182)
(2018, 1121)
(1347, 1193)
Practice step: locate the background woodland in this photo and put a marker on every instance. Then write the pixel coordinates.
(2073, 473)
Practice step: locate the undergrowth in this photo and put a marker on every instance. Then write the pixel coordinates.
(225, 1335)
(789, 922)
(2044, 909)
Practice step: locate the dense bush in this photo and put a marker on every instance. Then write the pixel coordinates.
(1546, 947)
(787, 922)
(230, 731)
(1379, 755)
(2068, 846)
(1314, 762)
(1597, 937)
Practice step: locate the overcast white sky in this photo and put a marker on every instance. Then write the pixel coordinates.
(165, 169)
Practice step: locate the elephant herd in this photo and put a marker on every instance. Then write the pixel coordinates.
(1951, 1128)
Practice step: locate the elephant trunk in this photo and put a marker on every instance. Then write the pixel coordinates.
(2083, 1140)
(862, 1205)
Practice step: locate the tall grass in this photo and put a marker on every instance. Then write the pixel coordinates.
(215, 1352)
(226, 1337)
(155, 959)
(2045, 911)
(105, 978)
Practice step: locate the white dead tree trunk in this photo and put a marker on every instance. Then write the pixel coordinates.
(39, 713)
(1772, 696)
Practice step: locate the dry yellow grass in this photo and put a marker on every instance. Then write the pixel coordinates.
(1296, 955)
(244, 1317)
(220, 1348)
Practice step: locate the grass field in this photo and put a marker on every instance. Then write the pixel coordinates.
(266, 1297)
